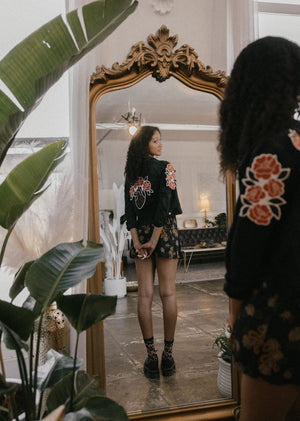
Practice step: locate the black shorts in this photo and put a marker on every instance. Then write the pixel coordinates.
(168, 243)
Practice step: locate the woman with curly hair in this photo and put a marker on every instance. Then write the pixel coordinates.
(151, 206)
(260, 143)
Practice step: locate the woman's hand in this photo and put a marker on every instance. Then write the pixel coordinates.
(149, 247)
(138, 246)
(152, 243)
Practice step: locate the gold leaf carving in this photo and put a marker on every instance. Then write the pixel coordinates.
(159, 57)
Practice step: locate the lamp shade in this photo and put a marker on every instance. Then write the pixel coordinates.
(204, 203)
(106, 199)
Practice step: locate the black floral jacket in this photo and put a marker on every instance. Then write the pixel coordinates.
(153, 197)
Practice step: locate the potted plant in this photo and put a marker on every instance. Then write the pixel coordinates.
(48, 278)
(114, 236)
(221, 220)
(224, 356)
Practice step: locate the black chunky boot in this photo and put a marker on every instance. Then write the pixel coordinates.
(151, 369)
(167, 366)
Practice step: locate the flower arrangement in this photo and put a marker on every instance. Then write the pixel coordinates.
(222, 342)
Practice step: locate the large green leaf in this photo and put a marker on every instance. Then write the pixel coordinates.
(60, 393)
(98, 408)
(85, 387)
(57, 366)
(19, 280)
(61, 268)
(24, 183)
(84, 310)
(35, 64)
(18, 319)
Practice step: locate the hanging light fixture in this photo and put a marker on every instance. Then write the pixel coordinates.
(133, 121)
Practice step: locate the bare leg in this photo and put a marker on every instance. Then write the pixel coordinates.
(145, 274)
(262, 401)
(166, 270)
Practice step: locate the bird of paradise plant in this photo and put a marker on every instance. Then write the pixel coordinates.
(28, 71)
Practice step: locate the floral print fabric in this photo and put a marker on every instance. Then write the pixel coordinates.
(168, 243)
(265, 187)
(265, 340)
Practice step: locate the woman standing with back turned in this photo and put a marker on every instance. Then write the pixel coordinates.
(260, 142)
(151, 206)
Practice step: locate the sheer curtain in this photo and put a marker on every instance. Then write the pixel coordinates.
(79, 77)
(242, 27)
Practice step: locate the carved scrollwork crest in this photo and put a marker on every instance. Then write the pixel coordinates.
(159, 57)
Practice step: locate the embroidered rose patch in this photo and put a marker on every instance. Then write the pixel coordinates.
(295, 138)
(139, 191)
(264, 189)
(171, 176)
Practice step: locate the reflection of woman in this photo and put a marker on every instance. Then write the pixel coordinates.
(151, 206)
(261, 141)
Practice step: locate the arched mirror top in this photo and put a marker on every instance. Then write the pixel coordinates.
(160, 60)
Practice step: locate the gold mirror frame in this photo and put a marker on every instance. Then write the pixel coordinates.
(159, 61)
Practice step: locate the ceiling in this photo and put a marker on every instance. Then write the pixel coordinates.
(169, 103)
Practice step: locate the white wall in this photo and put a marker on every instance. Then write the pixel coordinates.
(197, 169)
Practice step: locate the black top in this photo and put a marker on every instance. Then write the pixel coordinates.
(264, 239)
(152, 198)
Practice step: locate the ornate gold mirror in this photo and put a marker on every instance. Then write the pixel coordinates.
(181, 67)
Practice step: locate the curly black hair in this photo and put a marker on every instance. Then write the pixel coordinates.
(138, 153)
(261, 97)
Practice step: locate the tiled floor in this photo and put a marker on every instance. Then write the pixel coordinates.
(202, 313)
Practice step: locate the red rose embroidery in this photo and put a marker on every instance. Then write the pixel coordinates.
(260, 214)
(172, 185)
(147, 185)
(170, 168)
(254, 194)
(139, 191)
(263, 199)
(131, 191)
(274, 188)
(295, 138)
(265, 165)
(171, 176)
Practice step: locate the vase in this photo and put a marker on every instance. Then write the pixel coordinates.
(55, 332)
(113, 286)
(224, 379)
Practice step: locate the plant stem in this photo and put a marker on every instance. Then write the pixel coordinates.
(73, 373)
(31, 358)
(37, 352)
(40, 405)
(2, 363)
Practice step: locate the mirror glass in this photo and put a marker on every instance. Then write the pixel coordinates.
(189, 129)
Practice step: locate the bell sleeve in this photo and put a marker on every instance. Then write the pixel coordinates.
(166, 187)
